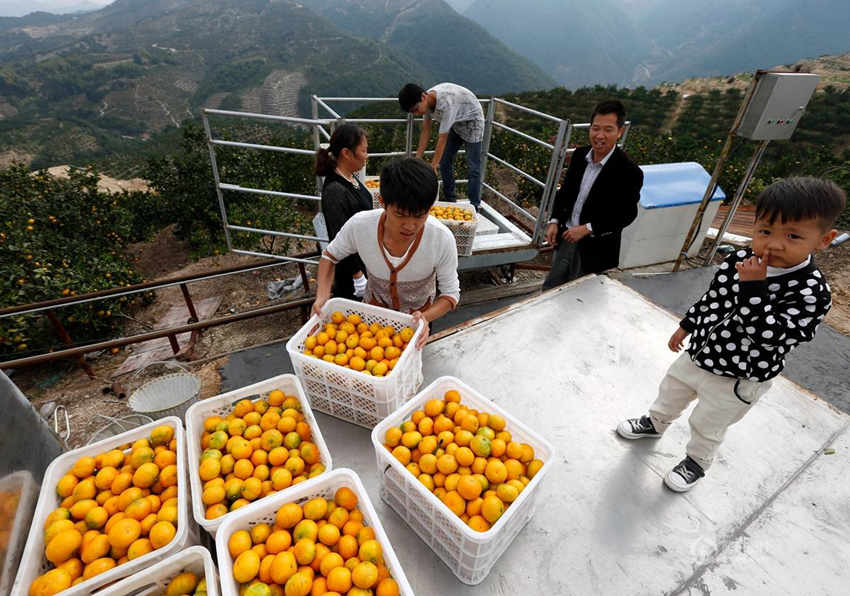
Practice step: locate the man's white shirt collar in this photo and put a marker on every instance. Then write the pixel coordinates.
(603, 161)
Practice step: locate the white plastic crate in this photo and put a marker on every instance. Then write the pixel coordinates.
(324, 486)
(468, 553)
(23, 484)
(222, 405)
(33, 562)
(153, 580)
(350, 394)
(463, 231)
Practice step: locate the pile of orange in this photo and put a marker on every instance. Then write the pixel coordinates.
(451, 213)
(318, 547)
(185, 584)
(351, 343)
(261, 447)
(8, 506)
(115, 507)
(373, 184)
(467, 458)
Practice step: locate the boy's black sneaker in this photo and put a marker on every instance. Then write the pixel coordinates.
(637, 428)
(683, 477)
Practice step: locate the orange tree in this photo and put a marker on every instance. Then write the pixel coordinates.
(184, 176)
(60, 237)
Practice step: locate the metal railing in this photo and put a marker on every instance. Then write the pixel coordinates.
(221, 186)
(49, 307)
(322, 128)
(548, 186)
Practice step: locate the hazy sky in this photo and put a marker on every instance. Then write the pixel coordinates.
(66, 4)
(17, 8)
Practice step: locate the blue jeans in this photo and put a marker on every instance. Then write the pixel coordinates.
(473, 162)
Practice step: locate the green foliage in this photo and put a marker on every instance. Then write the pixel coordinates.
(64, 238)
(232, 77)
(61, 238)
(818, 148)
(185, 177)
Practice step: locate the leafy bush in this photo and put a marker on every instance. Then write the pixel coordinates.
(185, 178)
(61, 238)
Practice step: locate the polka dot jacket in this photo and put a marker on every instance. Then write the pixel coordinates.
(746, 329)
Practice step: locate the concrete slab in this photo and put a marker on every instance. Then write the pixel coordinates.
(821, 366)
(254, 365)
(572, 363)
(807, 523)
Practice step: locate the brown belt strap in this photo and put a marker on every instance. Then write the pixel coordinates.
(393, 269)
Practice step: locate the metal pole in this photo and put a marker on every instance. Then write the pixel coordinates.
(303, 303)
(739, 195)
(552, 176)
(305, 281)
(485, 142)
(628, 126)
(217, 180)
(408, 137)
(150, 285)
(63, 335)
(718, 168)
(314, 107)
(193, 315)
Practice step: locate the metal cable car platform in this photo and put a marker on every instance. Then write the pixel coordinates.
(771, 516)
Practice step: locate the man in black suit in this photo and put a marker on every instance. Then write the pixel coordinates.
(598, 199)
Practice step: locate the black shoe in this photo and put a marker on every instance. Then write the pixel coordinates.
(637, 428)
(683, 477)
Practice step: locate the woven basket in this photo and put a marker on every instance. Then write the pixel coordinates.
(116, 426)
(168, 395)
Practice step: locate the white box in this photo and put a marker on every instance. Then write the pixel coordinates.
(22, 483)
(323, 486)
(153, 580)
(349, 394)
(669, 201)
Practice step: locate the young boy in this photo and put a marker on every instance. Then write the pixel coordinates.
(761, 304)
(407, 254)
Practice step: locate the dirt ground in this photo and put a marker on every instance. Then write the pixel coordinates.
(106, 183)
(835, 264)
(89, 401)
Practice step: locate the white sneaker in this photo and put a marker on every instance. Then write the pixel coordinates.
(637, 428)
(683, 476)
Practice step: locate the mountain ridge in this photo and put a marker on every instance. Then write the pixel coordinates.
(100, 80)
(644, 43)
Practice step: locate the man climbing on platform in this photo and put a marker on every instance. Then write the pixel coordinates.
(461, 123)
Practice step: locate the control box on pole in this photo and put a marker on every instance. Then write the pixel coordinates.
(779, 101)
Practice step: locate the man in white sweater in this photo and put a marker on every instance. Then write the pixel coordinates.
(407, 253)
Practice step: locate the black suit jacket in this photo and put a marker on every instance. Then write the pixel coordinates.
(610, 206)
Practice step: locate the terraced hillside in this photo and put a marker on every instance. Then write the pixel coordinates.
(102, 83)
